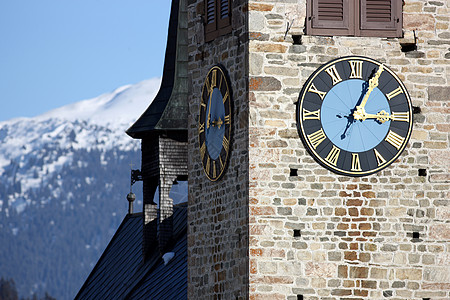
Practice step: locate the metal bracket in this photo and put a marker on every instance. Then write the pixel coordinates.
(136, 175)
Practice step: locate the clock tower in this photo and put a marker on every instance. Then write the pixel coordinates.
(318, 145)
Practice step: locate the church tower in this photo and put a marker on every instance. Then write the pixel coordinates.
(318, 145)
(162, 129)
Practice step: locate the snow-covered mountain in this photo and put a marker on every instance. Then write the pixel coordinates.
(114, 109)
(52, 137)
(64, 176)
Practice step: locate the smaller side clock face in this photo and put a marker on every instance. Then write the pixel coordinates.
(214, 125)
(354, 116)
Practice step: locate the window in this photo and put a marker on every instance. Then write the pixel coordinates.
(381, 18)
(217, 18)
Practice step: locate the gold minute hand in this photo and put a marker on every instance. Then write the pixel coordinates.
(209, 109)
(373, 83)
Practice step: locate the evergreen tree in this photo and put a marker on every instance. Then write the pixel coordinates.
(8, 289)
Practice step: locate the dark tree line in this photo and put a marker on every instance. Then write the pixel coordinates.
(8, 291)
(55, 242)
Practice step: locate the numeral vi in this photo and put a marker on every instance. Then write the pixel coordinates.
(356, 165)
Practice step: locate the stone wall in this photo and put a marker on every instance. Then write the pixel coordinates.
(218, 211)
(321, 235)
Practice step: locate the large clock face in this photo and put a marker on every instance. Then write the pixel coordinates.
(214, 126)
(354, 116)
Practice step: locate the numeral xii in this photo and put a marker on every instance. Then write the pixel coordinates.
(356, 67)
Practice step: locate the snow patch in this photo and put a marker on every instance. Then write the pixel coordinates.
(168, 257)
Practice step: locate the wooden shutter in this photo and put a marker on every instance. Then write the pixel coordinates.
(223, 14)
(217, 18)
(381, 18)
(330, 17)
(210, 16)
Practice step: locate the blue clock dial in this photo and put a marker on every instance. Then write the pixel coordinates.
(215, 123)
(215, 129)
(354, 116)
(339, 124)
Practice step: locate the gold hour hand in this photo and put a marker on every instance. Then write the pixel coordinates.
(217, 123)
(381, 116)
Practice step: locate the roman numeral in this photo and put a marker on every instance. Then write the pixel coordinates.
(395, 139)
(334, 74)
(394, 93)
(207, 84)
(311, 115)
(226, 143)
(221, 162)
(201, 127)
(333, 156)
(208, 165)
(227, 120)
(313, 89)
(214, 78)
(225, 98)
(356, 165)
(380, 159)
(203, 150)
(316, 138)
(400, 116)
(356, 68)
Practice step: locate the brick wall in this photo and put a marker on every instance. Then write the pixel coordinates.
(218, 211)
(353, 236)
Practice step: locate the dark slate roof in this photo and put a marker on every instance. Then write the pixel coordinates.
(121, 272)
(175, 286)
(168, 111)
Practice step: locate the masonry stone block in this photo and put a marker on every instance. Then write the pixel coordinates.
(355, 232)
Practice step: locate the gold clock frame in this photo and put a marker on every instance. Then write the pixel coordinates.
(216, 77)
(310, 147)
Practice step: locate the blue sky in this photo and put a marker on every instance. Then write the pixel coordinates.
(55, 52)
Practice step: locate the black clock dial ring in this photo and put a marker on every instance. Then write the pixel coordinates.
(354, 116)
(214, 126)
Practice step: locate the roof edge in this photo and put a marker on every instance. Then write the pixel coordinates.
(127, 217)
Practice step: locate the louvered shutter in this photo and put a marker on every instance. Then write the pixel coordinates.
(224, 19)
(381, 17)
(217, 18)
(330, 17)
(210, 16)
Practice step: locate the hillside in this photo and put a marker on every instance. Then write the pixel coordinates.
(64, 177)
